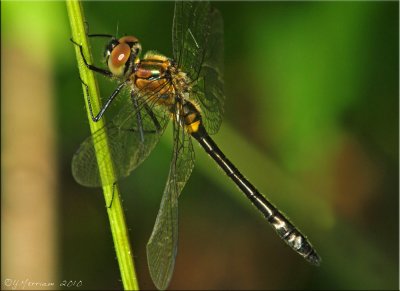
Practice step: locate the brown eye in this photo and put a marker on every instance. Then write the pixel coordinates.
(118, 58)
(120, 55)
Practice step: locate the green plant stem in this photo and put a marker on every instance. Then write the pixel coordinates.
(111, 193)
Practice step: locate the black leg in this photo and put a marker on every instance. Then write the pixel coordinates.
(112, 196)
(95, 34)
(100, 35)
(91, 67)
(152, 116)
(138, 116)
(104, 108)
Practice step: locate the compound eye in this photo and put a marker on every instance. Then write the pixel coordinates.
(118, 58)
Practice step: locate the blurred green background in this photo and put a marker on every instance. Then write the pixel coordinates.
(311, 118)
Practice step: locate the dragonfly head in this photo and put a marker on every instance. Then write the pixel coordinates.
(121, 54)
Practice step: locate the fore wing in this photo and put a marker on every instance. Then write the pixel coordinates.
(199, 48)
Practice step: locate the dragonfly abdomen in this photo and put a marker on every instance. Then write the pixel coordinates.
(189, 117)
(276, 219)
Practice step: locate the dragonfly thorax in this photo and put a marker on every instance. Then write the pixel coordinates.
(160, 76)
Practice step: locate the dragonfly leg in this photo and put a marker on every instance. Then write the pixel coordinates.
(108, 102)
(138, 116)
(112, 196)
(153, 117)
(89, 66)
(95, 34)
(139, 119)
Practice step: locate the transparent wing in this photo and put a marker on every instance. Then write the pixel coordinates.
(189, 34)
(198, 48)
(162, 245)
(132, 135)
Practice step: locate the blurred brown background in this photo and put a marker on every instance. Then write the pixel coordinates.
(311, 119)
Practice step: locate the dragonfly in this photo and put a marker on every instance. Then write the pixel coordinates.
(187, 90)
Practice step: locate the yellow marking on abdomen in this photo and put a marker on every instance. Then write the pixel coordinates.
(193, 127)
